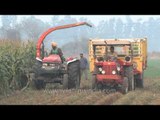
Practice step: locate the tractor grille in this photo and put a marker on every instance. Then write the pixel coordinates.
(109, 68)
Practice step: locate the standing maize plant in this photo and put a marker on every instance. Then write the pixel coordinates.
(16, 59)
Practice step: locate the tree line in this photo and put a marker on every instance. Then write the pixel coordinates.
(30, 28)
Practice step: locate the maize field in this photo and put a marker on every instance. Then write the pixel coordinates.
(16, 58)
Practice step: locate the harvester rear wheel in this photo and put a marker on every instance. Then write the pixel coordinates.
(74, 75)
(65, 81)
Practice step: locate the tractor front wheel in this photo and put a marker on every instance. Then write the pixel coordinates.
(94, 85)
(129, 74)
(125, 86)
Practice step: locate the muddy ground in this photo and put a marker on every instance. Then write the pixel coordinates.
(54, 95)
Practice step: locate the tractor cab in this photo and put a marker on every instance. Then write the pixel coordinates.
(123, 56)
(110, 66)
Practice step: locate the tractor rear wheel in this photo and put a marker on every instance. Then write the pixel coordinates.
(74, 75)
(139, 81)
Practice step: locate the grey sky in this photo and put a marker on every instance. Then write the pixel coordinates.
(93, 18)
(96, 18)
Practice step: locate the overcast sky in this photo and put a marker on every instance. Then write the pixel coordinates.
(93, 18)
(96, 18)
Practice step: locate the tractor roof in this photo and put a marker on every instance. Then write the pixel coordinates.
(109, 42)
(115, 41)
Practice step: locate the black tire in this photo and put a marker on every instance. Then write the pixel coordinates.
(139, 81)
(129, 74)
(36, 66)
(74, 75)
(65, 81)
(125, 86)
(39, 84)
(78, 82)
(100, 86)
(94, 85)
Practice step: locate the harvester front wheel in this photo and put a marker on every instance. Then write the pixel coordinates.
(39, 84)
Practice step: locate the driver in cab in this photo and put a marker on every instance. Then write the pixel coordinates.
(112, 55)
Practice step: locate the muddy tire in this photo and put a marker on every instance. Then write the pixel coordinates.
(74, 75)
(125, 86)
(36, 67)
(39, 84)
(94, 84)
(129, 74)
(65, 81)
(139, 81)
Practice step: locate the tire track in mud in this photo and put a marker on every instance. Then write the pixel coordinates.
(95, 96)
(88, 99)
(148, 95)
(67, 96)
(57, 96)
(80, 97)
(75, 97)
(125, 99)
(61, 97)
(109, 99)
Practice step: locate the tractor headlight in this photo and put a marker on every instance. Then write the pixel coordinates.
(44, 64)
(113, 72)
(103, 72)
(118, 68)
(135, 65)
(100, 69)
(52, 65)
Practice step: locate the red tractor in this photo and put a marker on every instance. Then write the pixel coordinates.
(51, 69)
(112, 72)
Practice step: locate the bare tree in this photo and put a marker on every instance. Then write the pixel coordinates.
(33, 27)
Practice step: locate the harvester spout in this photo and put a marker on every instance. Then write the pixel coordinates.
(43, 36)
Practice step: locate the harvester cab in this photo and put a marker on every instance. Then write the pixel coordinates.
(51, 69)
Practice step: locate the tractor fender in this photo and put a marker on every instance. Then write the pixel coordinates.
(38, 59)
(71, 61)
